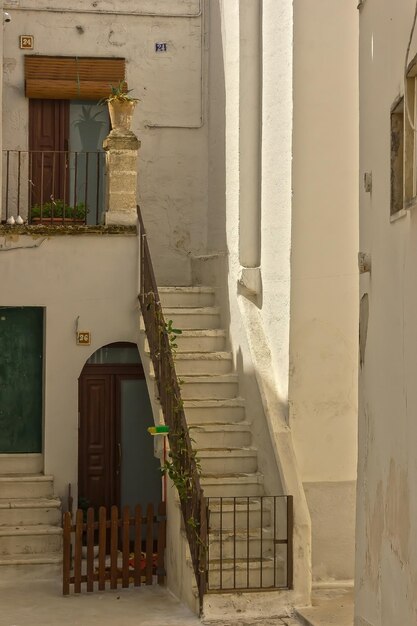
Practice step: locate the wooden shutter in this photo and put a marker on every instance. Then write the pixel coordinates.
(71, 78)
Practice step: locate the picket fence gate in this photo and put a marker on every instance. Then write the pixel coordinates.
(121, 559)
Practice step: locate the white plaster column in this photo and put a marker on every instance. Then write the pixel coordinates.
(121, 177)
(250, 21)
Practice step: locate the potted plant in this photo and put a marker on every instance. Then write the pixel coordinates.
(56, 212)
(121, 106)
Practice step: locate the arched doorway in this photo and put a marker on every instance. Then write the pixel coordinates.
(116, 464)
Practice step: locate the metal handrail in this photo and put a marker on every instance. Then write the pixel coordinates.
(193, 502)
(53, 186)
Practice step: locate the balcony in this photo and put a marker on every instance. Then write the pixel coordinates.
(54, 187)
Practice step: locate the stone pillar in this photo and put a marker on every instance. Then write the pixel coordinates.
(121, 168)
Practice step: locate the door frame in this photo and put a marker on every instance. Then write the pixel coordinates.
(116, 372)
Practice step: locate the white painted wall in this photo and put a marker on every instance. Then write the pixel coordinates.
(306, 374)
(324, 275)
(168, 120)
(93, 277)
(386, 556)
(258, 326)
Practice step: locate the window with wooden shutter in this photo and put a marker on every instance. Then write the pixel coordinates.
(71, 78)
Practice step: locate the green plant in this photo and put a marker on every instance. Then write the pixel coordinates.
(119, 93)
(172, 335)
(57, 208)
(179, 472)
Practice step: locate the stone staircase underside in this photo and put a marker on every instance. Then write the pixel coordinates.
(221, 431)
(30, 515)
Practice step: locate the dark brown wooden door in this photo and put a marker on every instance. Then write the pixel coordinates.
(48, 142)
(99, 447)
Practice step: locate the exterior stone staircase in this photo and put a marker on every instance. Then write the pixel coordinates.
(30, 516)
(222, 436)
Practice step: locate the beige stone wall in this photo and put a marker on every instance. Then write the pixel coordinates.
(89, 278)
(324, 275)
(386, 555)
(170, 119)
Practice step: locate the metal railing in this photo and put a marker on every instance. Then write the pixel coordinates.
(250, 543)
(53, 187)
(182, 456)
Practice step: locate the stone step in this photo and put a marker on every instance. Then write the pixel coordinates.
(239, 513)
(207, 340)
(215, 411)
(228, 460)
(44, 558)
(28, 511)
(232, 485)
(241, 573)
(15, 540)
(240, 545)
(236, 435)
(193, 318)
(224, 386)
(21, 464)
(25, 486)
(186, 296)
(203, 363)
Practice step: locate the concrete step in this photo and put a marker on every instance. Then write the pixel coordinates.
(193, 318)
(228, 460)
(236, 435)
(224, 386)
(203, 363)
(214, 411)
(186, 296)
(15, 540)
(25, 486)
(21, 464)
(239, 513)
(206, 340)
(44, 558)
(29, 511)
(240, 544)
(232, 485)
(241, 573)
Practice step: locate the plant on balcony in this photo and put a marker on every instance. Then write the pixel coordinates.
(57, 211)
(121, 106)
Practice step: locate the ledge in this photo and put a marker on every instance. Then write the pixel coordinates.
(65, 229)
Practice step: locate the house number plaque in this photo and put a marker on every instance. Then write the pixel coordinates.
(83, 338)
(26, 42)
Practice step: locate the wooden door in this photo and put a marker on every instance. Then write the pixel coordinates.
(99, 447)
(96, 458)
(48, 143)
(21, 379)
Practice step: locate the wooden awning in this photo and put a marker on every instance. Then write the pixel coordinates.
(71, 78)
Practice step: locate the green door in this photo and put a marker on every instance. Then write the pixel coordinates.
(21, 367)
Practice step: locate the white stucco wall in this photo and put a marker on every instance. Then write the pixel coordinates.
(306, 378)
(169, 119)
(258, 325)
(92, 277)
(324, 275)
(386, 556)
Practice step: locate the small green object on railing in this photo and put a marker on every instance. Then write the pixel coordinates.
(158, 430)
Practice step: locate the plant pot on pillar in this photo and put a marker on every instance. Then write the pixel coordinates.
(121, 107)
(121, 147)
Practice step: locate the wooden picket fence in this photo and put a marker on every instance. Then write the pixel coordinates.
(121, 559)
